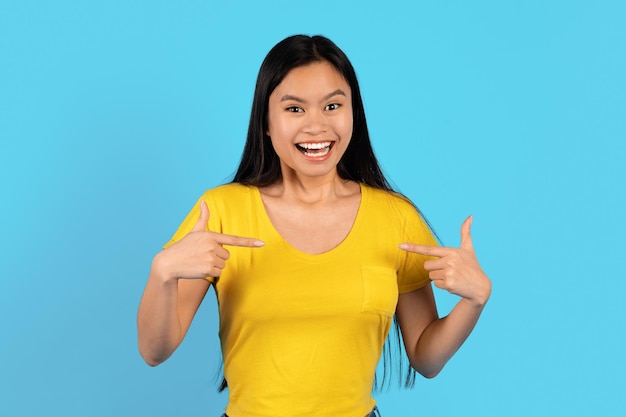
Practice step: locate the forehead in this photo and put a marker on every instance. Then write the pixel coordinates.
(315, 78)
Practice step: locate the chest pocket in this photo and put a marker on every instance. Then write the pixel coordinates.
(380, 290)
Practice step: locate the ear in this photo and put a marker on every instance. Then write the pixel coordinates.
(267, 126)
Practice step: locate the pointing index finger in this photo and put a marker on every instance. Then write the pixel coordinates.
(423, 249)
(233, 240)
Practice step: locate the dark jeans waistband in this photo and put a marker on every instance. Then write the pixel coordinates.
(374, 413)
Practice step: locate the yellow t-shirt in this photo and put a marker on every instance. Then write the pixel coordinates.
(301, 334)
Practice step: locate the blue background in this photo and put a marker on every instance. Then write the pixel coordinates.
(115, 116)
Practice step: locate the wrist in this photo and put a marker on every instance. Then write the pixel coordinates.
(482, 292)
(160, 270)
(479, 300)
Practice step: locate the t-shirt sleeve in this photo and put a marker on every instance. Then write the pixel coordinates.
(411, 272)
(186, 226)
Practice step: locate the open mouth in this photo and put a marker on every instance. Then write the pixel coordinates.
(315, 149)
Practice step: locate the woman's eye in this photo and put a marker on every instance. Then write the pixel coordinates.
(294, 109)
(333, 106)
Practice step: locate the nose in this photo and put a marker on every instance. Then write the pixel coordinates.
(315, 123)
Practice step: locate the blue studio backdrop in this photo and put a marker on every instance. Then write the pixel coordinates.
(115, 116)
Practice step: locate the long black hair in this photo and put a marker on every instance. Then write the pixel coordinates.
(260, 165)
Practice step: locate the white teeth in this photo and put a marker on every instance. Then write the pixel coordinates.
(318, 145)
(319, 153)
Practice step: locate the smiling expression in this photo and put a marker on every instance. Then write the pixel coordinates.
(310, 120)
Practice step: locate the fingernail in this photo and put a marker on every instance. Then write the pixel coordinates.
(259, 243)
(403, 246)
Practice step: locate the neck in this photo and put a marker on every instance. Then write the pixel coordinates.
(311, 190)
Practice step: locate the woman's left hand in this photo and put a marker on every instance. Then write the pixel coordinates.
(456, 270)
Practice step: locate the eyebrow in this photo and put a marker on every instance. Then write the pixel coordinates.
(338, 91)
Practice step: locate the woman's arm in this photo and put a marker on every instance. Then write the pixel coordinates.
(177, 286)
(431, 341)
(165, 313)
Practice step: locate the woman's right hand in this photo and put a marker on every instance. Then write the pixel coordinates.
(200, 253)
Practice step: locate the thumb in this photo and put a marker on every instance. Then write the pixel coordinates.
(203, 221)
(466, 236)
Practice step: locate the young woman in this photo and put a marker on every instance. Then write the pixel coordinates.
(321, 255)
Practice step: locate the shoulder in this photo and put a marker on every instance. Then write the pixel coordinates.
(229, 191)
(399, 211)
(386, 200)
(231, 199)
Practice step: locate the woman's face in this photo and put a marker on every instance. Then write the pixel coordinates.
(310, 120)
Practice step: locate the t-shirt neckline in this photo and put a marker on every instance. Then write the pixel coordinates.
(340, 247)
